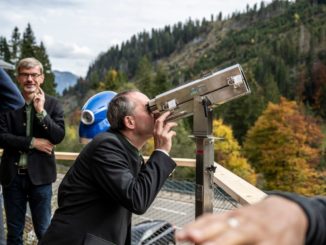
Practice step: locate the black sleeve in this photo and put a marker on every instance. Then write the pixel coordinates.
(315, 209)
(113, 173)
(10, 96)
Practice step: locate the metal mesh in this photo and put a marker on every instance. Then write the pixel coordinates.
(173, 207)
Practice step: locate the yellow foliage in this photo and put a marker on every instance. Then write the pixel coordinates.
(284, 146)
(227, 152)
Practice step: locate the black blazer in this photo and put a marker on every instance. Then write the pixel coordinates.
(41, 166)
(106, 184)
(10, 96)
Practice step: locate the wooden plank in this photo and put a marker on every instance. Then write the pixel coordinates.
(70, 156)
(239, 189)
(181, 162)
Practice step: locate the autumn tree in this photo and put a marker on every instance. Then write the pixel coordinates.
(227, 152)
(284, 148)
(113, 80)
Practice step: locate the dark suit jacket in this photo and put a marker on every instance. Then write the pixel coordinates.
(105, 185)
(41, 166)
(10, 96)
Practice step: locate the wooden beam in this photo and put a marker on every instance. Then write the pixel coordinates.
(239, 189)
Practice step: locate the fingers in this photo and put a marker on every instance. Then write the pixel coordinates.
(40, 91)
(43, 145)
(163, 133)
(205, 229)
(39, 99)
(160, 123)
(164, 116)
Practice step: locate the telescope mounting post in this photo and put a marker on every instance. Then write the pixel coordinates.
(202, 131)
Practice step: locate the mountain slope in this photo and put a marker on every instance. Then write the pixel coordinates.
(64, 80)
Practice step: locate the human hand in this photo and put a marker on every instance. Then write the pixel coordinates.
(43, 145)
(163, 133)
(275, 220)
(39, 99)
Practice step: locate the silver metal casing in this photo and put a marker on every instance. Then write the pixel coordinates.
(218, 87)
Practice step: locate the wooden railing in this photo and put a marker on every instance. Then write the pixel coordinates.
(239, 189)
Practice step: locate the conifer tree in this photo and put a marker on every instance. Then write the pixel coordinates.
(28, 43)
(49, 84)
(4, 49)
(15, 44)
(145, 76)
(161, 81)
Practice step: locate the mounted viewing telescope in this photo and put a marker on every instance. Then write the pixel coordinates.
(197, 99)
(213, 89)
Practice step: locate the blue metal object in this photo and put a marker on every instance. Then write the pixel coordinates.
(93, 116)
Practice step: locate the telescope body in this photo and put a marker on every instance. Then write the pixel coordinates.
(216, 88)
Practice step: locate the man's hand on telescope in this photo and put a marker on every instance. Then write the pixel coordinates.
(163, 133)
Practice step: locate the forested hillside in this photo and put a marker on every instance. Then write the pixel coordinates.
(282, 48)
(274, 137)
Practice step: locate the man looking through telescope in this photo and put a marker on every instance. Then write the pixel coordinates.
(109, 180)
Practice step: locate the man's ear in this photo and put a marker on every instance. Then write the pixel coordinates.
(129, 122)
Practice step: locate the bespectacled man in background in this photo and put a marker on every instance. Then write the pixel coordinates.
(28, 136)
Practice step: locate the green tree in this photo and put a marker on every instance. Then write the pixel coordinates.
(161, 81)
(28, 43)
(145, 77)
(4, 49)
(15, 44)
(284, 148)
(49, 84)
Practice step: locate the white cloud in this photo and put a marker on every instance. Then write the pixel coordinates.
(59, 49)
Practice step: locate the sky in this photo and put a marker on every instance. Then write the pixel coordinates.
(75, 32)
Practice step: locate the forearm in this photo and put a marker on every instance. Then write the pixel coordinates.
(20, 143)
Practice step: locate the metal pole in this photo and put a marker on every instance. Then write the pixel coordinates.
(202, 131)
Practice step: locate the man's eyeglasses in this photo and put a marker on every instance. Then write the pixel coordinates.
(26, 75)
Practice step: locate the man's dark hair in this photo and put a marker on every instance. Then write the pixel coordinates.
(119, 107)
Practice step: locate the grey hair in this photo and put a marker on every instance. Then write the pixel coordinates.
(29, 63)
(119, 107)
